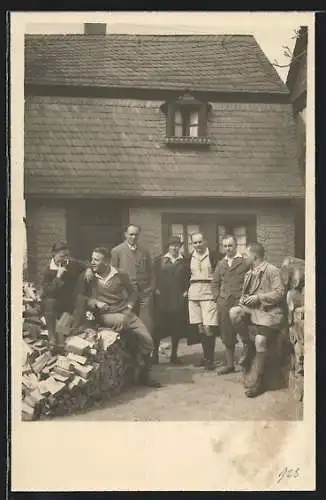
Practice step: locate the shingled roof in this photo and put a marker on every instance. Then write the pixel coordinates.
(99, 147)
(221, 63)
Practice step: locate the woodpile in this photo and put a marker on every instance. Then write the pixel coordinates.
(294, 270)
(95, 365)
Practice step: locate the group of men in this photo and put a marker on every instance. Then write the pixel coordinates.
(232, 296)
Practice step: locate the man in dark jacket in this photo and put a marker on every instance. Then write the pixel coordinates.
(59, 289)
(201, 305)
(227, 285)
(133, 259)
(111, 295)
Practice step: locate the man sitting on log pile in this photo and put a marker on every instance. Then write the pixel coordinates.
(262, 304)
(59, 290)
(112, 297)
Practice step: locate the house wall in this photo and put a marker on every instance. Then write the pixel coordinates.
(275, 226)
(46, 224)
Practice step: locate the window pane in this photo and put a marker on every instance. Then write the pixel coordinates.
(178, 130)
(193, 130)
(177, 230)
(193, 124)
(178, 121)
(221, 234)
(240, 232)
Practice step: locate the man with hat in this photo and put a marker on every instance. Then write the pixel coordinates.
(60, 280)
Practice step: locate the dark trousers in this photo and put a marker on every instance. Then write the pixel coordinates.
(227, 332)
(144, 309)
(52, 310)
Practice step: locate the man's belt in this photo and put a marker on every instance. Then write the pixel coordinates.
(200, 281)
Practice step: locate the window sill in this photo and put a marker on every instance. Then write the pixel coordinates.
(200, 141)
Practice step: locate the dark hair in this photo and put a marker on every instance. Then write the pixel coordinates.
(60, 245)
(257, 249)
(174, 240)
(103, 251)
(230, 237)
(133, 225)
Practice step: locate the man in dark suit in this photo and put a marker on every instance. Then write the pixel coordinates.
(133, 259)
(59, 289)
(201, 306)
(227, 284)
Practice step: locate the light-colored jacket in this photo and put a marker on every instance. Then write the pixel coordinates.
(267, 284)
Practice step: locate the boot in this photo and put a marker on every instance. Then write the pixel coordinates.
(145, 375)
(229, 366)
(174, 359)
(256, 387)
(203, 361)
(79, 313)
(247, 354)
(210, 353)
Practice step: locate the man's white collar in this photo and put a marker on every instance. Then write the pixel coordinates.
(113, 272)
(169, 256)
(238, 254)
(54, 266)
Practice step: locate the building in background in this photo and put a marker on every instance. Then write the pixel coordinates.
(176, 133)
(297, 84)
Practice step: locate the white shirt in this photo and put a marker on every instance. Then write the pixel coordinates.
(104, 280)
(229, 260)
(200, 271)
(132, 247)
(54, 266)
(173, 259)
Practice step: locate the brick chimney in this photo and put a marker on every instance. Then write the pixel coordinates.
(94, 28)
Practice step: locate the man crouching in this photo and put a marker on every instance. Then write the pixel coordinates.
(262, 304)
(111, 295)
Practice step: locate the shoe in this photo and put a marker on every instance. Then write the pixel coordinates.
(256, 387)
(224, 370)
(149, 382)
(200, 364)
(176, 361)
(210, 366)
(229, 366)
(253, 392)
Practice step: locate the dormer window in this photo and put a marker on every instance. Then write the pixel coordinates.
(186, 123)
(186, 120)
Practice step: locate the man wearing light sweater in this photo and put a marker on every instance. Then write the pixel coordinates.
(133, 259)
(112, 297)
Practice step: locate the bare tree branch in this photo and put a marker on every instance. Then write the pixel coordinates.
(277, 65)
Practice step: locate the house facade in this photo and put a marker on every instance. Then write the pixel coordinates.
(297, 84)
(176, 133)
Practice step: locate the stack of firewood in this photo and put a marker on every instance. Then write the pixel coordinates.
(95, 365)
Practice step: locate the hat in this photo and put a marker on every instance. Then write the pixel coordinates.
(174, 240)
(60, 245)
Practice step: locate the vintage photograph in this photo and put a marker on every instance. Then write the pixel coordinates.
(162, 251)
(164, 194)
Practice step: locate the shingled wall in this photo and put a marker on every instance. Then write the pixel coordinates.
(46, 225)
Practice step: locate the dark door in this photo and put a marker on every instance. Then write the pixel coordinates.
(94, 224)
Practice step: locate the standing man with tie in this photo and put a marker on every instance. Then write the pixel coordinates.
(227, 285)
(135, 260)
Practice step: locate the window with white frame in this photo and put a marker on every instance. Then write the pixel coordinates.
(184, 232)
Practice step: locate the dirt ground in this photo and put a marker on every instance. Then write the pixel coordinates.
(191, 394)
